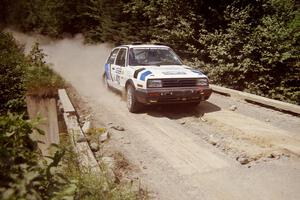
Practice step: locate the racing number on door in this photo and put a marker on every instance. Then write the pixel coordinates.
(118, 73)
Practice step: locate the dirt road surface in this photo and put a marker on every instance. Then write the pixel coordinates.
(205, 153)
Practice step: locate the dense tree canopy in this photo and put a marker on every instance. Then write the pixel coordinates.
(250, 45)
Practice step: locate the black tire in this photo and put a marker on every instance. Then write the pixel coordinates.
(132, 103)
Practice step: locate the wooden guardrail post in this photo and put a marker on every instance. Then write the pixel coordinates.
(258, 99)
(46, 109)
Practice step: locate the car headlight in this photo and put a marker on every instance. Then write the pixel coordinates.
(154, 83)
(202, 81)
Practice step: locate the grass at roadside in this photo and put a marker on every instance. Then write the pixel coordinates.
(89, 186)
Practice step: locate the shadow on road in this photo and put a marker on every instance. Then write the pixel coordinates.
(177, 111)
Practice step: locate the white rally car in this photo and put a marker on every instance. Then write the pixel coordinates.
(153, 74)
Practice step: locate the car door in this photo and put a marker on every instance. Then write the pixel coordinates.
(110, 65)
(120, 67)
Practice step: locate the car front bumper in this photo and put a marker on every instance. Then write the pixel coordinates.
(172, 95)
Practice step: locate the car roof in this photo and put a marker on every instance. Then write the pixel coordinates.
(144, 46)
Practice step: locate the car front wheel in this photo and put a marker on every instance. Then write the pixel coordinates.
(132, 103)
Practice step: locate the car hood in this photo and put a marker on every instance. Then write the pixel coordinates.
(171, 71)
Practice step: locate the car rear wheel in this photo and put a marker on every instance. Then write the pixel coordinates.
(132, 103)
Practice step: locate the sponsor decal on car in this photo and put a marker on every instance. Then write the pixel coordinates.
(145, 74)
(107, 71)
(174, 73)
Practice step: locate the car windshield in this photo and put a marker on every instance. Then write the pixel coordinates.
(153, 56)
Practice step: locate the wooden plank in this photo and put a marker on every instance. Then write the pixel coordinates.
(46, 109)
(65, 101)
(258, 99)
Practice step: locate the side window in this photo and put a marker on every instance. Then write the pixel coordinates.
(121, 58)
(112, 56)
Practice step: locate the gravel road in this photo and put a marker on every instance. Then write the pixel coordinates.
(181, 153)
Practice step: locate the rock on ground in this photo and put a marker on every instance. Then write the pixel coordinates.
(94, 147)
(118, 128)
(104, 136)
(233, 107)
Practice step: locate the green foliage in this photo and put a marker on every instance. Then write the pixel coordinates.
(176, 23)
(43, 16)
(22, 74)
(3, 14)
(93, 187)
(23, 174)
(260, 57)
(41, 80)
(12, 65)
(170, 21)
(106, 21)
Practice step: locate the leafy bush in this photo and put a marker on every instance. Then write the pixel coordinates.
(41, 80)
(20, 74)
(12, 72)
(43, 16)
(261, 57)
(23, 173)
